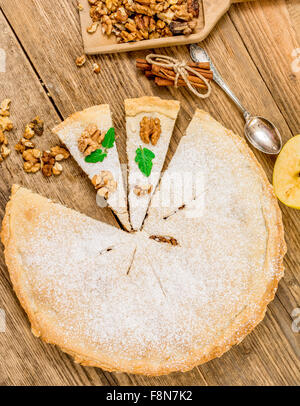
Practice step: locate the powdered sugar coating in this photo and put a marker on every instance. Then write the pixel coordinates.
(69, 132)
(126, 299)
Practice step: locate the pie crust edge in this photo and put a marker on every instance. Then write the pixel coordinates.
(150, 104)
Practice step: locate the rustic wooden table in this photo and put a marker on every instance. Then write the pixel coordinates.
(255, 49)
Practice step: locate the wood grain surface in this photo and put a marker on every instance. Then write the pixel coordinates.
(253, 46)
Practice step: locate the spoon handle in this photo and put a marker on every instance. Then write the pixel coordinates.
(218, 79)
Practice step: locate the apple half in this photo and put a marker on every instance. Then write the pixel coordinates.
(286, 175)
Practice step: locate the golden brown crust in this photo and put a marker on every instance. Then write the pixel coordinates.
(148, 104)
(87, 115)
(276, 249)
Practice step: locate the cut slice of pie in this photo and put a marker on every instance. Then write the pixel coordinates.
(149, 125)
(89, 135)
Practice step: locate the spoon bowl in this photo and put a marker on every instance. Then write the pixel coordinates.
(263, 135)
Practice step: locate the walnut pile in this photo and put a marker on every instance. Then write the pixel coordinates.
(5, 125)
(50, 161)
(142, 190)
(90, 140)
(150, 130)
(136, 20)
(35, 159)
(105, 184)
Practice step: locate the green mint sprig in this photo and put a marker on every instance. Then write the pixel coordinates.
(107, 143)
(144, 159)
(96, 156)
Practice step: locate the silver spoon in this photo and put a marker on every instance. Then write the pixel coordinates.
(259, 131)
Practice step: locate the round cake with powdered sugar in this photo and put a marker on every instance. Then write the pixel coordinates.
(194, 282)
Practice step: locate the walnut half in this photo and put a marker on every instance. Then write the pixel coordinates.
(150, 130)
(90, 139)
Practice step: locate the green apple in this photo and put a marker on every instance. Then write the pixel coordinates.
(286, 175)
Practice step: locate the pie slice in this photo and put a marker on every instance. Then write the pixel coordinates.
(149, 125)
(90, 138)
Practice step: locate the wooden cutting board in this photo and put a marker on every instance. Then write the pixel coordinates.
(98, 43)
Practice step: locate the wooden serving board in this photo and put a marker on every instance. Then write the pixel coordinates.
(99, 43)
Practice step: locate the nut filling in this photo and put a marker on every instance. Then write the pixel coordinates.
(137, 20)
(150, 130)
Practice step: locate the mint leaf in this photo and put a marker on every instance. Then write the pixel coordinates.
(144, 160)
(109, 138)
(96, 156)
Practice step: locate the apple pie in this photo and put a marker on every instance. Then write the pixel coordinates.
(193, 283)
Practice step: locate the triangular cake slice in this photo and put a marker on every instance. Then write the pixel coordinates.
(149, 125)
(89, 136)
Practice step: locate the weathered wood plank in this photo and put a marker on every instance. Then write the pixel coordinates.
(271, 38)
(50, 35)
(25, 360)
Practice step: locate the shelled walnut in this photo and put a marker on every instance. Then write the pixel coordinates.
(90, 139)
(4, 150)
(5, 107)
(35, 127)
(5, 125)
(60, 153)
(80, 61)
(150, 130)
(32, 163)
(136, 20)
(105, 184)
